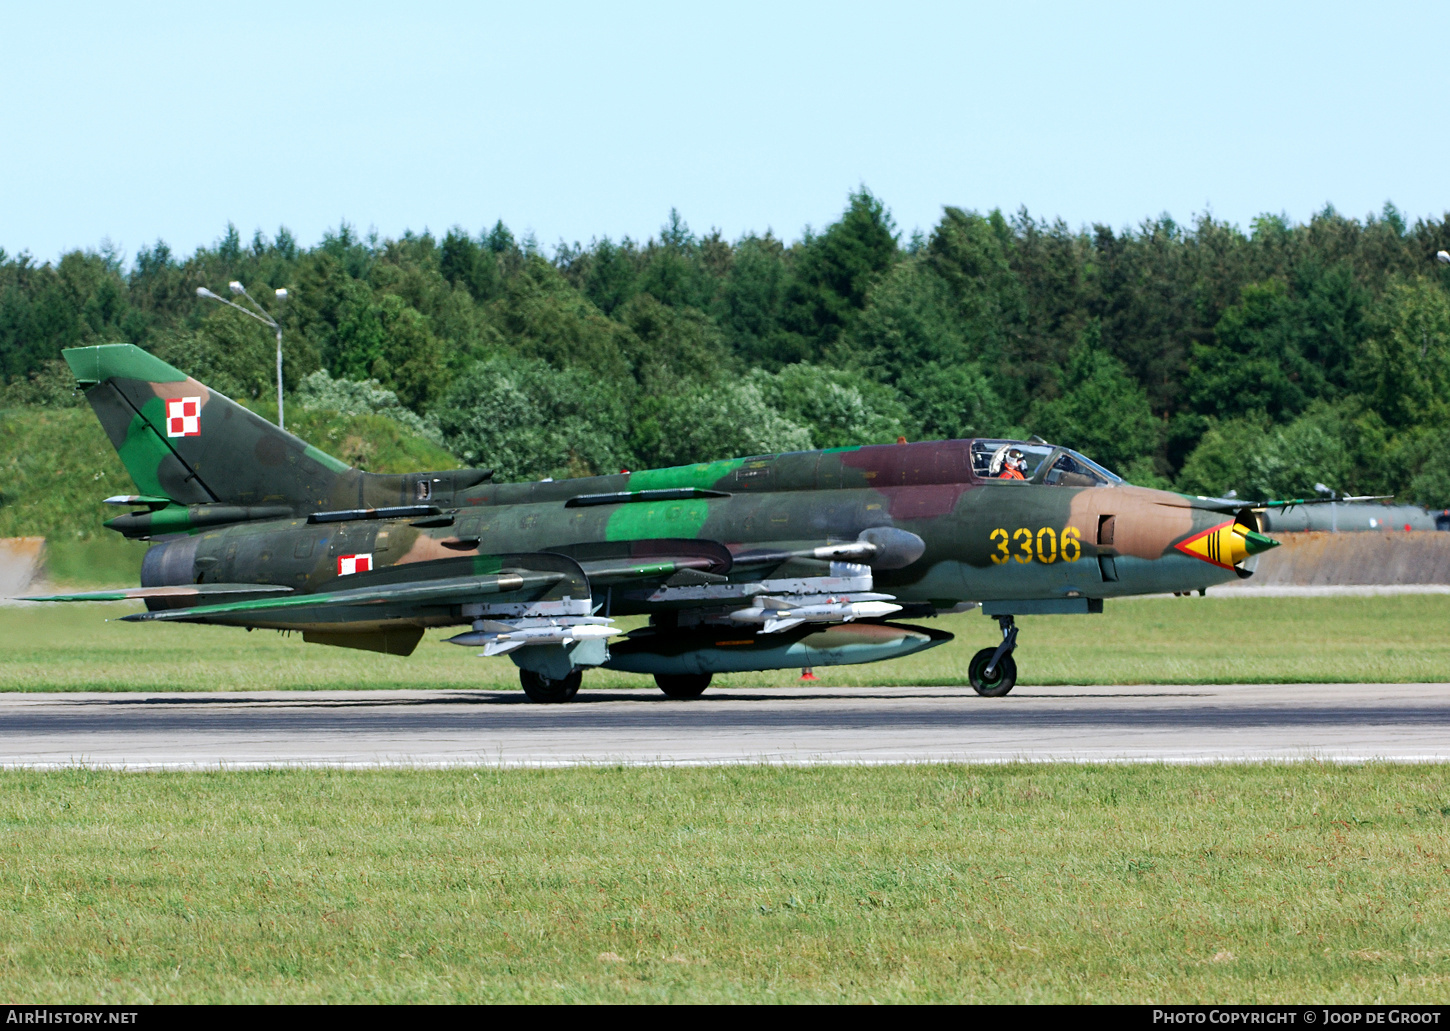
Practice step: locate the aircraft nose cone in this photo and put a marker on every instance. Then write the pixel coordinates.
(1226, 545)
(1257, 542)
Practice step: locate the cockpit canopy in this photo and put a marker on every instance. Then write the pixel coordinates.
(1015, 461)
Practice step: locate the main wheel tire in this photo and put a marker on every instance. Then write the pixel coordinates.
(683, 685)
(1003, 678)
(540, 688)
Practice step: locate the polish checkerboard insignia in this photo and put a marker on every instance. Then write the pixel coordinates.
(183, 417)
(349, 564)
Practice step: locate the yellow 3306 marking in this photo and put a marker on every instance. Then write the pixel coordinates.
(1045, 546)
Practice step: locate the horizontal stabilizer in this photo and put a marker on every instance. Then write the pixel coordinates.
(184, 591)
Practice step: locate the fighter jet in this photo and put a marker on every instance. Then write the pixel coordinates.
(765, 562)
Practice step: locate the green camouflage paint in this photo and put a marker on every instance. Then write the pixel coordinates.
(646, 520)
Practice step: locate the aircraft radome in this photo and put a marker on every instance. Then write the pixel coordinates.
(766, 562)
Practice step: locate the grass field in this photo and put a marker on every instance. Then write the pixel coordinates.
(1152, 640)
(913, 883)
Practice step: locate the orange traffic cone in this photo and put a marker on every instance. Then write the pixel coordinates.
(806, 674)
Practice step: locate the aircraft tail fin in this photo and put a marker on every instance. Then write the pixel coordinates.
(182, 441)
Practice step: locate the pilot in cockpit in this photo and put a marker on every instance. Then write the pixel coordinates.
(1009, 464)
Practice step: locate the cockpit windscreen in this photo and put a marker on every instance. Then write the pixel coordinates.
(1070, 469)
(1015, 461)
(1008, 459)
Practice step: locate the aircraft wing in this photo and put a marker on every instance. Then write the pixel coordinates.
(400, 592)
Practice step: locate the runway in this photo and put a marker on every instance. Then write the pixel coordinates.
(1332, 722)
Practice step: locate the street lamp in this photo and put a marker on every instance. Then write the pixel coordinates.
(264, 317)
(1443, 257)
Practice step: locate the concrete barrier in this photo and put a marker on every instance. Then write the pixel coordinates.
(22, 561)
(1354, 559)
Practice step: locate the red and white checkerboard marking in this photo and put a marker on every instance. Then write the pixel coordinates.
(183, 417)
(349, 564)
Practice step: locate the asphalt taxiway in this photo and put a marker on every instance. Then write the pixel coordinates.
(1332, 722)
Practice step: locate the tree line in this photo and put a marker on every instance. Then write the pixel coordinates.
(1204, 357)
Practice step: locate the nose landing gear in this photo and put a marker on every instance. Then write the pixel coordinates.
(993, 671)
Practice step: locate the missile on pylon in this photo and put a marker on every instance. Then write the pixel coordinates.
(499, 637)
(777, 614)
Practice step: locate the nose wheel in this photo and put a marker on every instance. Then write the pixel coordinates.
(993, 671)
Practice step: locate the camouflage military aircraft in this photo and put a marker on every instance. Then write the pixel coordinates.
(767, 562)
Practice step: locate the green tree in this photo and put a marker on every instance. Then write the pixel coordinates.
(673, 271)
(1289, 461)
(1257, 361)
(912, 319)
(468, 263)
(1404, 368)
(541, 316)
(672, 343)
(750, 303)
(319, 392)
(703, 422)
(949, 400)
(838, 407)
(1102, 412)
(525, 420)
(833, 274)
(385, 339)
(611, 275)
(1338, 446)
(1219, 463)
(1431, 483)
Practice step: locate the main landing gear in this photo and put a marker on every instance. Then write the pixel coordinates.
(993, 671)
(540, 688)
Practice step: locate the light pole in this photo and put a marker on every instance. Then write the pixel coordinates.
(265, 318)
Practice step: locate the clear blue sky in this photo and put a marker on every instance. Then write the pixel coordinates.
(140, 121)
